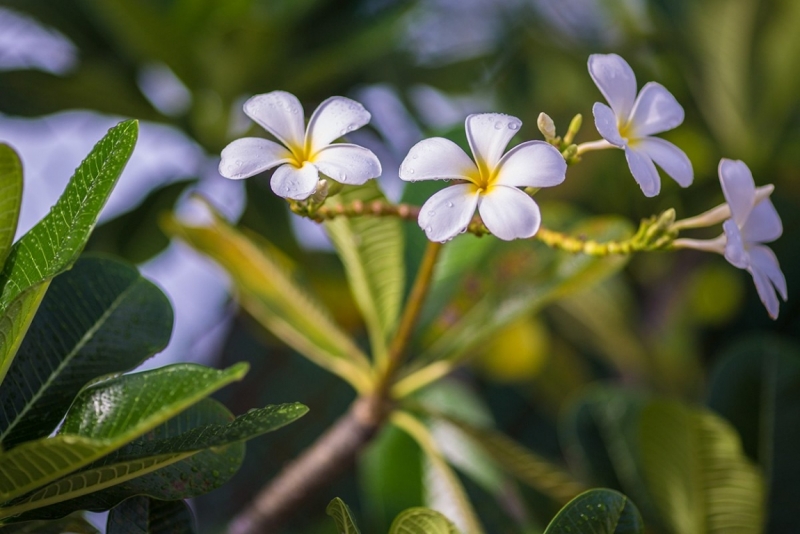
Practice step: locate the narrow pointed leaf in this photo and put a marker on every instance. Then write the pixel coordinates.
(422, 521)
(189, 455)
(371, 249)
(10, 197)
(273, 297)
(340, 512)
(699, 477)
(599, 511)
(100, 317)
(143, 515)
(106, 416)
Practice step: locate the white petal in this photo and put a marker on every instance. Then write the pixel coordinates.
(348, 164)
(669, 157)
(738, 188)
(735, 252)
(488, 135)
(655, 111)
(606, 123)
(763, 259)
(290, 182)
(616, 80)
(251, 155)
(334, 118)
(281, 114)
(509, 213)
(437, 159)
(644, 171)
(534, 164)
(763, 225)
(766, 292)
(448, 212)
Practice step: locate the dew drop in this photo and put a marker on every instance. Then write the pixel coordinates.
(410, 171)
(513, 126)
(428, 229)
(601, 506)
(343, 177)
(498, 125)
(238, 163)
(342, 131)
(431, 213)
(449, 204)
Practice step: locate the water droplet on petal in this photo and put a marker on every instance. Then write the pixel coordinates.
(513, 126)
(428, 229)
(431, 213)
(410, 171)
(238, 163)
(498, 125)
(343, 177)
(342, 131)
(449, 204)
(415, 156)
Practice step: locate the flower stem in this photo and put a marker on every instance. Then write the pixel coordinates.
(601, 144)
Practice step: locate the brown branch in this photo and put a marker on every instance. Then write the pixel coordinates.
(330, 456)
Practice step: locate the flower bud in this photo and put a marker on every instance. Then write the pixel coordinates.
(574, 127)
(546, 126)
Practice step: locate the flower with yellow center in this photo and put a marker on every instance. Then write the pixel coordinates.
(304, 153)
(632, 119)
(489, 183)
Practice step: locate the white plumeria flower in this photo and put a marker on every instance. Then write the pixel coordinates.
(305, 152)
(491, 181)
(753, 222)
(632, 119)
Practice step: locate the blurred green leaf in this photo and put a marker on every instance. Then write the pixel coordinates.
(103, 418)
(74, 524)
(143, 515)
(422, 521)
(341, 514)
(99, 318)
(699, 478)
(10, 197)
(371, 249)
(600, 511)
(273, 297)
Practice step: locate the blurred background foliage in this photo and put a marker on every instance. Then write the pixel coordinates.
(682, 325)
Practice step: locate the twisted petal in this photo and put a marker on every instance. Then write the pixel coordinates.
(766, 292)
(763, 225)
(764, 260)
(606, 123)
(735, 252)
(448, 212)
(251, 155)
(334, 118)
(669, 157)
(616, 80)
(644, 171)
(348, 164)
(437, 159)
(738, 187)
(289, 181)
(281, 114)
(509, 213)
(655, 111)
(488, 135)
(534, 164)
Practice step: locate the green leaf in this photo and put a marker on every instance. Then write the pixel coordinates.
(756, 386)
(371, 249)
(272, 296)
(10, 197)
(143, 515)
(106, 416)
(99, 318)
(54, 243)
(341, 514)
(699, 477)
(189, 455)
(75, 524)
(599, 511)
(15, 321)
(422, 521)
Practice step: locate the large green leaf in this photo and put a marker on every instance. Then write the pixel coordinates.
(371, 249)
(422, 521)
(99, 318)
(106, 416)
(273, 297)
(340, 512)
(696, 471)
(599, 511)
(143, 515)
(54, 243)
(189, 455)
(10, 197)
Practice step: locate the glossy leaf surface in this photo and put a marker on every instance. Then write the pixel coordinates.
(597, 511)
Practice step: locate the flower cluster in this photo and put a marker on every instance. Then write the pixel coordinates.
(499, 185)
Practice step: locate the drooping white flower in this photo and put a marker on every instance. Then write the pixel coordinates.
(632, 119)
(489, 183)
(303, 152)
(753, 222)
